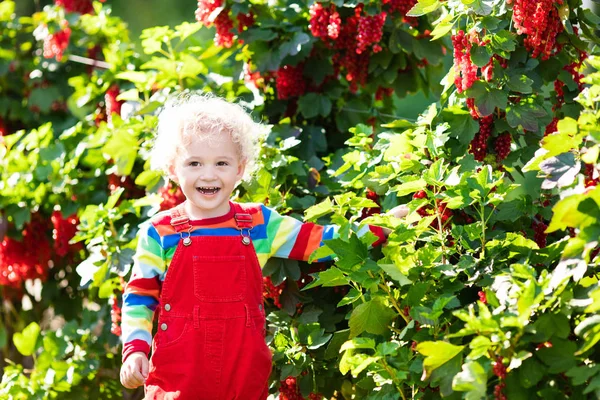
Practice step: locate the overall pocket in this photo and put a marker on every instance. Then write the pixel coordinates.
(171, 330)
(220, 279)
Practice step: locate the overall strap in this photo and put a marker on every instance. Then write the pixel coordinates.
(243, 220)
(179, 219)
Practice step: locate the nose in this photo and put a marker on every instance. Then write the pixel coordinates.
(208, 173)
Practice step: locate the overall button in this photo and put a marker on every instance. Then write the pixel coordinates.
(163, 326)
(260, 306)
(167, 307)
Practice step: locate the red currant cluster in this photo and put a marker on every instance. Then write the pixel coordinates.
(539, 236)
(479, 143)
(356, 65)
(289, 390)
(26, 259)
(574, 69)
(499, 391)
(472, 109)
(77, 6)
(482, 296)
(591, 176)
(465, 70)
(499, 370)
(211, 12)
(383, 92)
(324, 22)
(441, 208)
(224, 25)
(367, 212)
(290, 82)
(111, 102)
(560, 94)
(402, 7)
(63, 231)
(370, 31)
(539, 20)
(56, 43)
(254, 77)
(244, 21)
(115, 316)
(270, 291)
(551, 127)
(205, 10)
(172, 196)
(502, 146)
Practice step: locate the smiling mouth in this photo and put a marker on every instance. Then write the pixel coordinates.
(208, 189)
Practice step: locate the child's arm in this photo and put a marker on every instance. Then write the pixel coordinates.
(140, 297)
(290, 238)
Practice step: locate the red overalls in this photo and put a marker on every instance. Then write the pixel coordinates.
(210, 342)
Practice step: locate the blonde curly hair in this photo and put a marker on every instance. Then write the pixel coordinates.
(190, 117)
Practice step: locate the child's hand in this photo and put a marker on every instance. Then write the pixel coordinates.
(134, 370)
(400, 211)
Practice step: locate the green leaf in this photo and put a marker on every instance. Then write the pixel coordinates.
(314, 104)
(26, 340)
(148, 178)
(319, 210)
(531, 372)
(479, 347)
(472, 379)
(480, 55)
(108, 288)
(436, 354)
(520, 83)
(481, 7)
(442, 27)
(186, 30)
(373, 317)
(560, 357)
(462, 125)
(549, 325)
(423, 7)
(133, 76)
(280, 269)
(339, 338)
(409, 187)
(527, 115)
(560, 171)
(350, 298)
(258, 34)
(294, 46)
(589, 330)
(122, 147)
(349, 253)
(487, 99)
(393, 271)
(329, 278)
(504, 40)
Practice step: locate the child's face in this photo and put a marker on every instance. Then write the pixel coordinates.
(207, 172)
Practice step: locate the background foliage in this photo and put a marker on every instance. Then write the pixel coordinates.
(489, 288)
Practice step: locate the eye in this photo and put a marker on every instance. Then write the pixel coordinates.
(222, 163)
(194, 164)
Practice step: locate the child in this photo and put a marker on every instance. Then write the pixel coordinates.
(210, 340)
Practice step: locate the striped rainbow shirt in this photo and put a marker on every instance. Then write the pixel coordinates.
(273, 235)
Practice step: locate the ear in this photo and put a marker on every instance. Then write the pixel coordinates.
(172, 174)
(241, 170)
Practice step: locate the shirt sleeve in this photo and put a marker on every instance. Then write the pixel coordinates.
(294, 239)
(141, 294)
